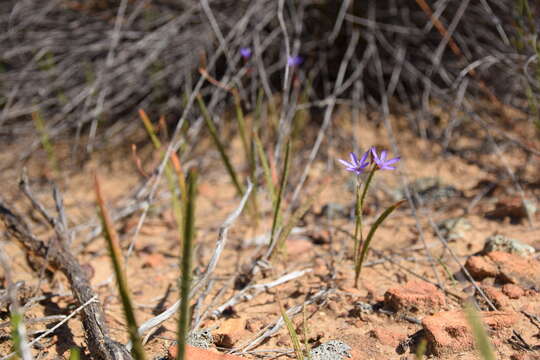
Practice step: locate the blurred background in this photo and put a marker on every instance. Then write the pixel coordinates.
(75, 72)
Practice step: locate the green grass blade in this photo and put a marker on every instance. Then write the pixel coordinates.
(279, 198)
(219, 146)
(305, 330)
(189, 230)
(171, 184)
(39, 123)
(266, 167)
(74, 353)
(113, 245)
(149, 129)
(294, 219)
(292, 333)
(421, 349)
(365, 247)
(479, 333)
(242, 127)
(18, 335)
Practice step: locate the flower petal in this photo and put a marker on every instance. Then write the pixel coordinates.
(374, 153)
(354, 159)
(363, 159)
(345, 163)
(392, 161)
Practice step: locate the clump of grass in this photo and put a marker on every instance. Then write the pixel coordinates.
(113, 245)
(189, 229)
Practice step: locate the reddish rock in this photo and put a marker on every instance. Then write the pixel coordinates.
(230, 332)
(448, 332)
(414, 297)
(516, 269)
(388, 337)
(513, 291)
(480, 267)
(195, 353)
(507, 268)
(496, 296)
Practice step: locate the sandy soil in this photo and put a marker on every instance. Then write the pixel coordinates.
(473, 184)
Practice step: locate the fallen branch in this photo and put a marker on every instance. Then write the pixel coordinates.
(58, 257)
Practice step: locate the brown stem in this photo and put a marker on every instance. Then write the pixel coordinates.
(58, 257)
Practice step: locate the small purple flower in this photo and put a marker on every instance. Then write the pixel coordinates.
(356, 166)
(245, 52)
(294, 61)
(381, 161)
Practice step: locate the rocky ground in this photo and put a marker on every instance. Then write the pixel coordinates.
(470, 235)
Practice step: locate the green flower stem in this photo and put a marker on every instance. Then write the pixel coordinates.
(366, 244)
(358, 237)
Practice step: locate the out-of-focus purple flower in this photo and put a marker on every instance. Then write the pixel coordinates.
(381, 161)
(295, 60)
(356, 166)
(245, 52)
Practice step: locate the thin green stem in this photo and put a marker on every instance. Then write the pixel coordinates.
(366, 244)
(279, 197)
(189, 230)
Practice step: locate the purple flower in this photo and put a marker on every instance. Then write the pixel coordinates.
(381, 161)
(356, 166)
(245, 52)
(294, 60)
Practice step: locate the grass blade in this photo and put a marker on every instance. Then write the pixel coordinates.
(292, 332)
(74, 353)
(305, 330)
(219, 145)
(266, 167)
(117, 261)
(176, 203)
(39, 123)
(279, 197)
(189, 229)
(294, 219)
(479, 333)
(365, 247)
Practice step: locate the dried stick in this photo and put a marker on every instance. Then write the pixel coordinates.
(58, 257)
(270, 330)
(253, 290)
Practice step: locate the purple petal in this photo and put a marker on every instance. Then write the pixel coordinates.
(374, 153)
(392, 161)
(383, 155)
(345, 163)
(354, 159)
(363, 159)
(245, 52)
